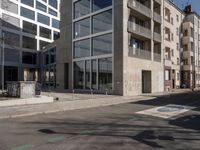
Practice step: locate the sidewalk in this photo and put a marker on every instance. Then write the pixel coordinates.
(78, 103)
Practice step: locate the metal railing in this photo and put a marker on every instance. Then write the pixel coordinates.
(157, 57)
(140, 53)
(157, 37)
(157, 17)
(135, 28)
(140, 7)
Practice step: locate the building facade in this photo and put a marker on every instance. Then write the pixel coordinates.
(26, 27)
(173, 19)
(111, 46)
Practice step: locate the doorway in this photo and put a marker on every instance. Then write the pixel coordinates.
(146, 81)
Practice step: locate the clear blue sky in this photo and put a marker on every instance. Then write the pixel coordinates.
(195, 4)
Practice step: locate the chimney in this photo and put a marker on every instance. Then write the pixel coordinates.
(188, 9)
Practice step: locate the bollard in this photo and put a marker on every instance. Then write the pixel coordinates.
(91, 93)
(73, 94)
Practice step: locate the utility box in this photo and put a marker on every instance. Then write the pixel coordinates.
(21, 89)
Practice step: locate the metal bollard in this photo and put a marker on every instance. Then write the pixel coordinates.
(73, 94)
(91, 93)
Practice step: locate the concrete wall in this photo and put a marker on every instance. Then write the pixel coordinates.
(64, 51)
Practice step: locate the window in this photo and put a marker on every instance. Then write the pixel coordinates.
(102, 22)
(172, 52)
(29, 42)
(43, 19)
(167, 75)
(41, 6)
(53, 55)
(172, 37)
(53, 3)
(28, 2)
(177, 31)
(10, 6)
(12, 55)
(82, 28)
(105, 74)
(29, 58)
(56, 35)
(81, 8)
(43, 44)
(79, 75)
(82, 48)
(27, 13)
(177, 18)
(11, 39)
(102, 45)
(172, 21)
(29, 28)
(10, 22)
(55, 23)
(94, 74)
(97, 4)
(52, 12)
(44, 32)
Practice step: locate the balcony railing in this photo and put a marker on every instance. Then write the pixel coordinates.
(139, 53)
(157, 17)
(140, 8)
(157, 37)
(157, 57)
(137, 29)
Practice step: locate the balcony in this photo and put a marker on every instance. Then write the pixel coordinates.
(187, 54)
(187, 39)
(157, 17)
(157, 37)
(157, 57)
(187, 25)
(137, 29)
(139, 53)
(133, 4)
(158, 1)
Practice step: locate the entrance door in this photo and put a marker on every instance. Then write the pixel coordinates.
(146, 81)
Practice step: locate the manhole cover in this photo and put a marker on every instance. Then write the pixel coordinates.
(170, 108)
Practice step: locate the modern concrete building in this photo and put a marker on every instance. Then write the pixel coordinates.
(112, 45)
(28, 26)
(173, 19)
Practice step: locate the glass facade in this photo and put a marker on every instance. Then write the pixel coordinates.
(93, 45)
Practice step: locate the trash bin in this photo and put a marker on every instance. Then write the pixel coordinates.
(38, 89)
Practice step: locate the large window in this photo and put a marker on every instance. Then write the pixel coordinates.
(43, 19)
(87, 74)
(102, 22)
(28, 2)
(29, 43)
(94, 74)
(82, 28)
(81, 8)
(43, 44)
(53, 3)
(79, 75)
(41, 6)
(55, 23)
(11, 39)
(105, 74)
(27, 13)
(44, 32)
(12, 55)
(82, 48)
(97, 4)
(29, 58)
(52, 12)
(29, 28)
(102, 45)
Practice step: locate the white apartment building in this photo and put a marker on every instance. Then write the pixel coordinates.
(26, 27)
(173, 19)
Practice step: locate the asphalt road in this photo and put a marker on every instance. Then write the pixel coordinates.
(107, 128)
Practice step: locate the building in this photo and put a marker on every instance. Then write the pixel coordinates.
(173, 19)
(191, 49)
(111, 46)
(28, 26)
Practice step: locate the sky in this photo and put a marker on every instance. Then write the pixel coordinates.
(195, 4)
